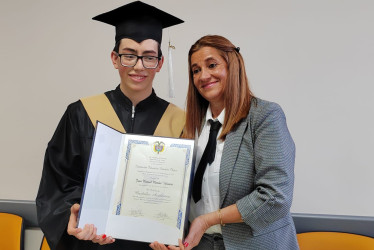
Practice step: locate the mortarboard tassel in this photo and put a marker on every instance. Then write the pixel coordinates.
(170, 68)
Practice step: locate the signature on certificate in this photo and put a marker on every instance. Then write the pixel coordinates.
(136, 213)
(162, 216)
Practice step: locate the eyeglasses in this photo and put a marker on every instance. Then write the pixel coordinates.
(130, 60)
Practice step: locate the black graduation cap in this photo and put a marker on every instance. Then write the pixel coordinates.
(138, 21)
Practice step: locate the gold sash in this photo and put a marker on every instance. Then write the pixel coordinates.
(100, 109)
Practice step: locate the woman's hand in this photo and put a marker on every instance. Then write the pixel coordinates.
(89, 230)
(103, 239)
(159, 246)
(197, 229)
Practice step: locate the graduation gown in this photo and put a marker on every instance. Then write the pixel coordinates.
(66, 161)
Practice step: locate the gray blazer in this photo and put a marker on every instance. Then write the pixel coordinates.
(257, 173)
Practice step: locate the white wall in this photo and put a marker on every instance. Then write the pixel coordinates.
(315, 58)
(33, 238)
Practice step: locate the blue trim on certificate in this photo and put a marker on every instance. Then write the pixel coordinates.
(133, 142)
(129, 144)
(186, 163)
(188, 147)
(180, 213)
(118, 210)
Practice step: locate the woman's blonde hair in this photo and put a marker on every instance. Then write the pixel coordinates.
(237, 95)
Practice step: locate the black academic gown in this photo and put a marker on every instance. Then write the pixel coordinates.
(66, 161)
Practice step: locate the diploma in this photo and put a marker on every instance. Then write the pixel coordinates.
(153, 181)
(149, 186)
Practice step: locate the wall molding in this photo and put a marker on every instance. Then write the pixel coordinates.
(362, 225)
(23, 208)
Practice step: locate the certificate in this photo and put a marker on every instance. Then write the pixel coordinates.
(147, 181)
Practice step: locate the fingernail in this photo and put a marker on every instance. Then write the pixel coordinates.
(185, 244)
(104, 236)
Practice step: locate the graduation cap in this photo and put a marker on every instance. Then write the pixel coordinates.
(138, 21)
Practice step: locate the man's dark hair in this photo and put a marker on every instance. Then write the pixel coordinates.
(116, 48)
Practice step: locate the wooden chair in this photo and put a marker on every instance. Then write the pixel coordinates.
(334, 241)
(11, 232)
(44, 245)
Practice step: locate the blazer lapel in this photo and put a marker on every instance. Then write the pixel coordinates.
(229, 156)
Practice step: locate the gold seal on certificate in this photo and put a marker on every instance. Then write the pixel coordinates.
(147, 181)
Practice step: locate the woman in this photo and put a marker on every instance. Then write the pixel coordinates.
(243, 199)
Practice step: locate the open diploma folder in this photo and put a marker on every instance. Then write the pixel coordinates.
(137, 187)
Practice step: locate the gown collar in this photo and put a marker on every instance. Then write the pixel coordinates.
(126, 102)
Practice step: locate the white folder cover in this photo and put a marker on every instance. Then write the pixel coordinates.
(138, 187)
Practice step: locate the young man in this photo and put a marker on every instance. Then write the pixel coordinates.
(132, 107)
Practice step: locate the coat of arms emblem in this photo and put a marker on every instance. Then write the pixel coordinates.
(158, 147)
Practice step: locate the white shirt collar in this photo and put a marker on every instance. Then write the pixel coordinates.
(220, 118)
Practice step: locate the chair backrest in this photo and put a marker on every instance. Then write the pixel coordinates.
(44, 245)
(334, 241)
(11, 231)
